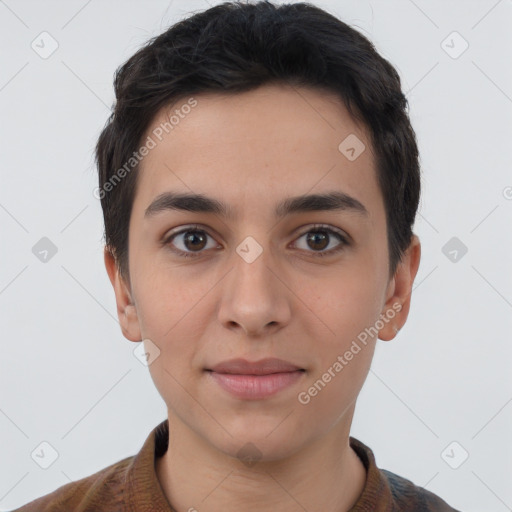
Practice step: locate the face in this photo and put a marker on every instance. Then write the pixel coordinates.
(262, 275)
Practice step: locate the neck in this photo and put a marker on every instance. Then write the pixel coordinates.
(324, 475)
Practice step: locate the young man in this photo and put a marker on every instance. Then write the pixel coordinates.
(259, 180)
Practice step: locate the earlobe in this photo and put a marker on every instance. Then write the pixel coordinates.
(126, 310)
(396, 309)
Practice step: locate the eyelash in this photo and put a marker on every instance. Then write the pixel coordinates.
(315, 228)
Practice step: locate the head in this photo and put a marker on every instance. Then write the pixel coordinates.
(246, 107)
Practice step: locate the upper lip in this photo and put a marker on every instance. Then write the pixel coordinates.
(261, 367)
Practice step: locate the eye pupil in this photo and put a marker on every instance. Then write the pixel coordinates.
(193, 236)
(318, 237)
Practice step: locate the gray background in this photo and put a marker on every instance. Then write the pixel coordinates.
(69, 377)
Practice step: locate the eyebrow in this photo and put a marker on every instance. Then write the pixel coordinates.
(199, 203)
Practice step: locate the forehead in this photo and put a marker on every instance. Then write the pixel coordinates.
(264, 144)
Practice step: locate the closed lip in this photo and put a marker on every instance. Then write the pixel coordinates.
(262, 367)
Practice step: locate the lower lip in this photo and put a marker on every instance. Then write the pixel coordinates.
(255, 387)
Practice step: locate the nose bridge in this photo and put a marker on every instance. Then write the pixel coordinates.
(252, 296)
(251, 274)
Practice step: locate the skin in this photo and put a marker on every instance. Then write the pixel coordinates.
(250, 151)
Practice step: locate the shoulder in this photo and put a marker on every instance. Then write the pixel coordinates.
(408, 496)
(386, 491)
(104, 488)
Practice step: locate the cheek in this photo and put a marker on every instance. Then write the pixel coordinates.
(167, 300)
(334, 389)
(173, 313)
(350, 307)
(345, 353)
(176, 334)
(349, 303)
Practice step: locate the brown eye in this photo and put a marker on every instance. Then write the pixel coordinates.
(190, 242)
(194, 240)
(318, 239)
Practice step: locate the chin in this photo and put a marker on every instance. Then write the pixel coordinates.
(253, 445)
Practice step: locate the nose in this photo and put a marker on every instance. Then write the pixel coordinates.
(254, 297)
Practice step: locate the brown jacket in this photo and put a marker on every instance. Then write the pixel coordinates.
(131, 485)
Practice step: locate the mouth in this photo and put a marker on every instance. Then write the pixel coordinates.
(256, 386)
(266, 366)
(254, 374)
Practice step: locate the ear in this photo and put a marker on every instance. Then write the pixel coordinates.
(126, 310)
(399, 291)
